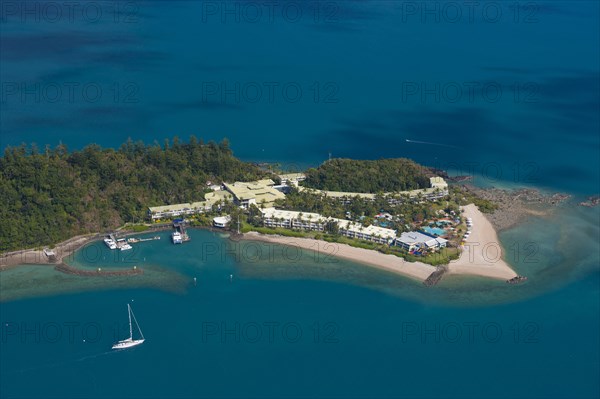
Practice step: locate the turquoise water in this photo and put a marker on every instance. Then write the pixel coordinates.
(175, 68)
(351, 78)
(434, 231)
(349, 330)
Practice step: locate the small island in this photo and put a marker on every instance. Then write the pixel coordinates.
(393, 214)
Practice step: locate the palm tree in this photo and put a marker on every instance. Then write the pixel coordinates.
(310, 216)
(299, 218)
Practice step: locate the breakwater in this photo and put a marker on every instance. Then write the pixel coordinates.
(517, 280)
(64, 268)
(435, 277)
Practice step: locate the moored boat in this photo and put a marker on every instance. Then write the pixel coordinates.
(130, 342)
(110, 243)
(176, 237)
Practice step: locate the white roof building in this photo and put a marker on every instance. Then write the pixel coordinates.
(221, 221)
(354, 229)
(292, 178)
(438, 189)
(260, 192)
(314, 221)
(272, 213)
(414, 239)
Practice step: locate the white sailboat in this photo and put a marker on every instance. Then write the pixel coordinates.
(129, 342)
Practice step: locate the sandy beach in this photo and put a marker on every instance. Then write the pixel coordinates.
(479, 257)
(482, 253)
(417, 270)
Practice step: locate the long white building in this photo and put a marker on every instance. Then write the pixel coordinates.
(293, 220)
(313, 221)
(438, 189)
(189, 208)
(377, 234)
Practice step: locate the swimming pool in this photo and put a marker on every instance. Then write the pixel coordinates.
(434, 230)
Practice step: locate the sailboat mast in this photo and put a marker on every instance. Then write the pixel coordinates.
(137, 325)
(130, 330)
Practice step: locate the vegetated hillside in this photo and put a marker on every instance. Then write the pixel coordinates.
(384, 175)
(48, 195)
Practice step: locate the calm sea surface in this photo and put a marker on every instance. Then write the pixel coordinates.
(506, 91)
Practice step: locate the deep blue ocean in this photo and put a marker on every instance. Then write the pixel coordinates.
(506, 91)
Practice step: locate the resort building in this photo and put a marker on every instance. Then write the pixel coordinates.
(261, 193)
(215, 198)
(376, 234)
(243, 194)
(415, 240)
(186, 209)
(221, 221)
(438, 189)
(313, 221)
(344, 196)
(176, 210)
(292, 179)
(293, 220)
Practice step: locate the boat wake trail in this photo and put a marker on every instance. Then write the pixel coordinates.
(430, 143)
(64, 363)
(93, 356)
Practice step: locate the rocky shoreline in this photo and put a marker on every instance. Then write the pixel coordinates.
(514, 206)
(591, 201)
(37, 256)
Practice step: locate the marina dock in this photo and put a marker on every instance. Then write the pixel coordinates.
(179, 235)
(134, 240)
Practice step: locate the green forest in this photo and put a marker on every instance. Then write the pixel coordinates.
(48, 195)
(383, 175)
(51, 194)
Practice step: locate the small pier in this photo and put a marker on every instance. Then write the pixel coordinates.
(435, 277)
(179, 227)
(134, 240)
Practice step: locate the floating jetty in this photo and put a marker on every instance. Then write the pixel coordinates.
(116, 243)
(134, 240)
(179, 234)
(435, 277)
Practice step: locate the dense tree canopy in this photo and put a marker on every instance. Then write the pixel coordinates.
(47, 196)
(384, 175)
